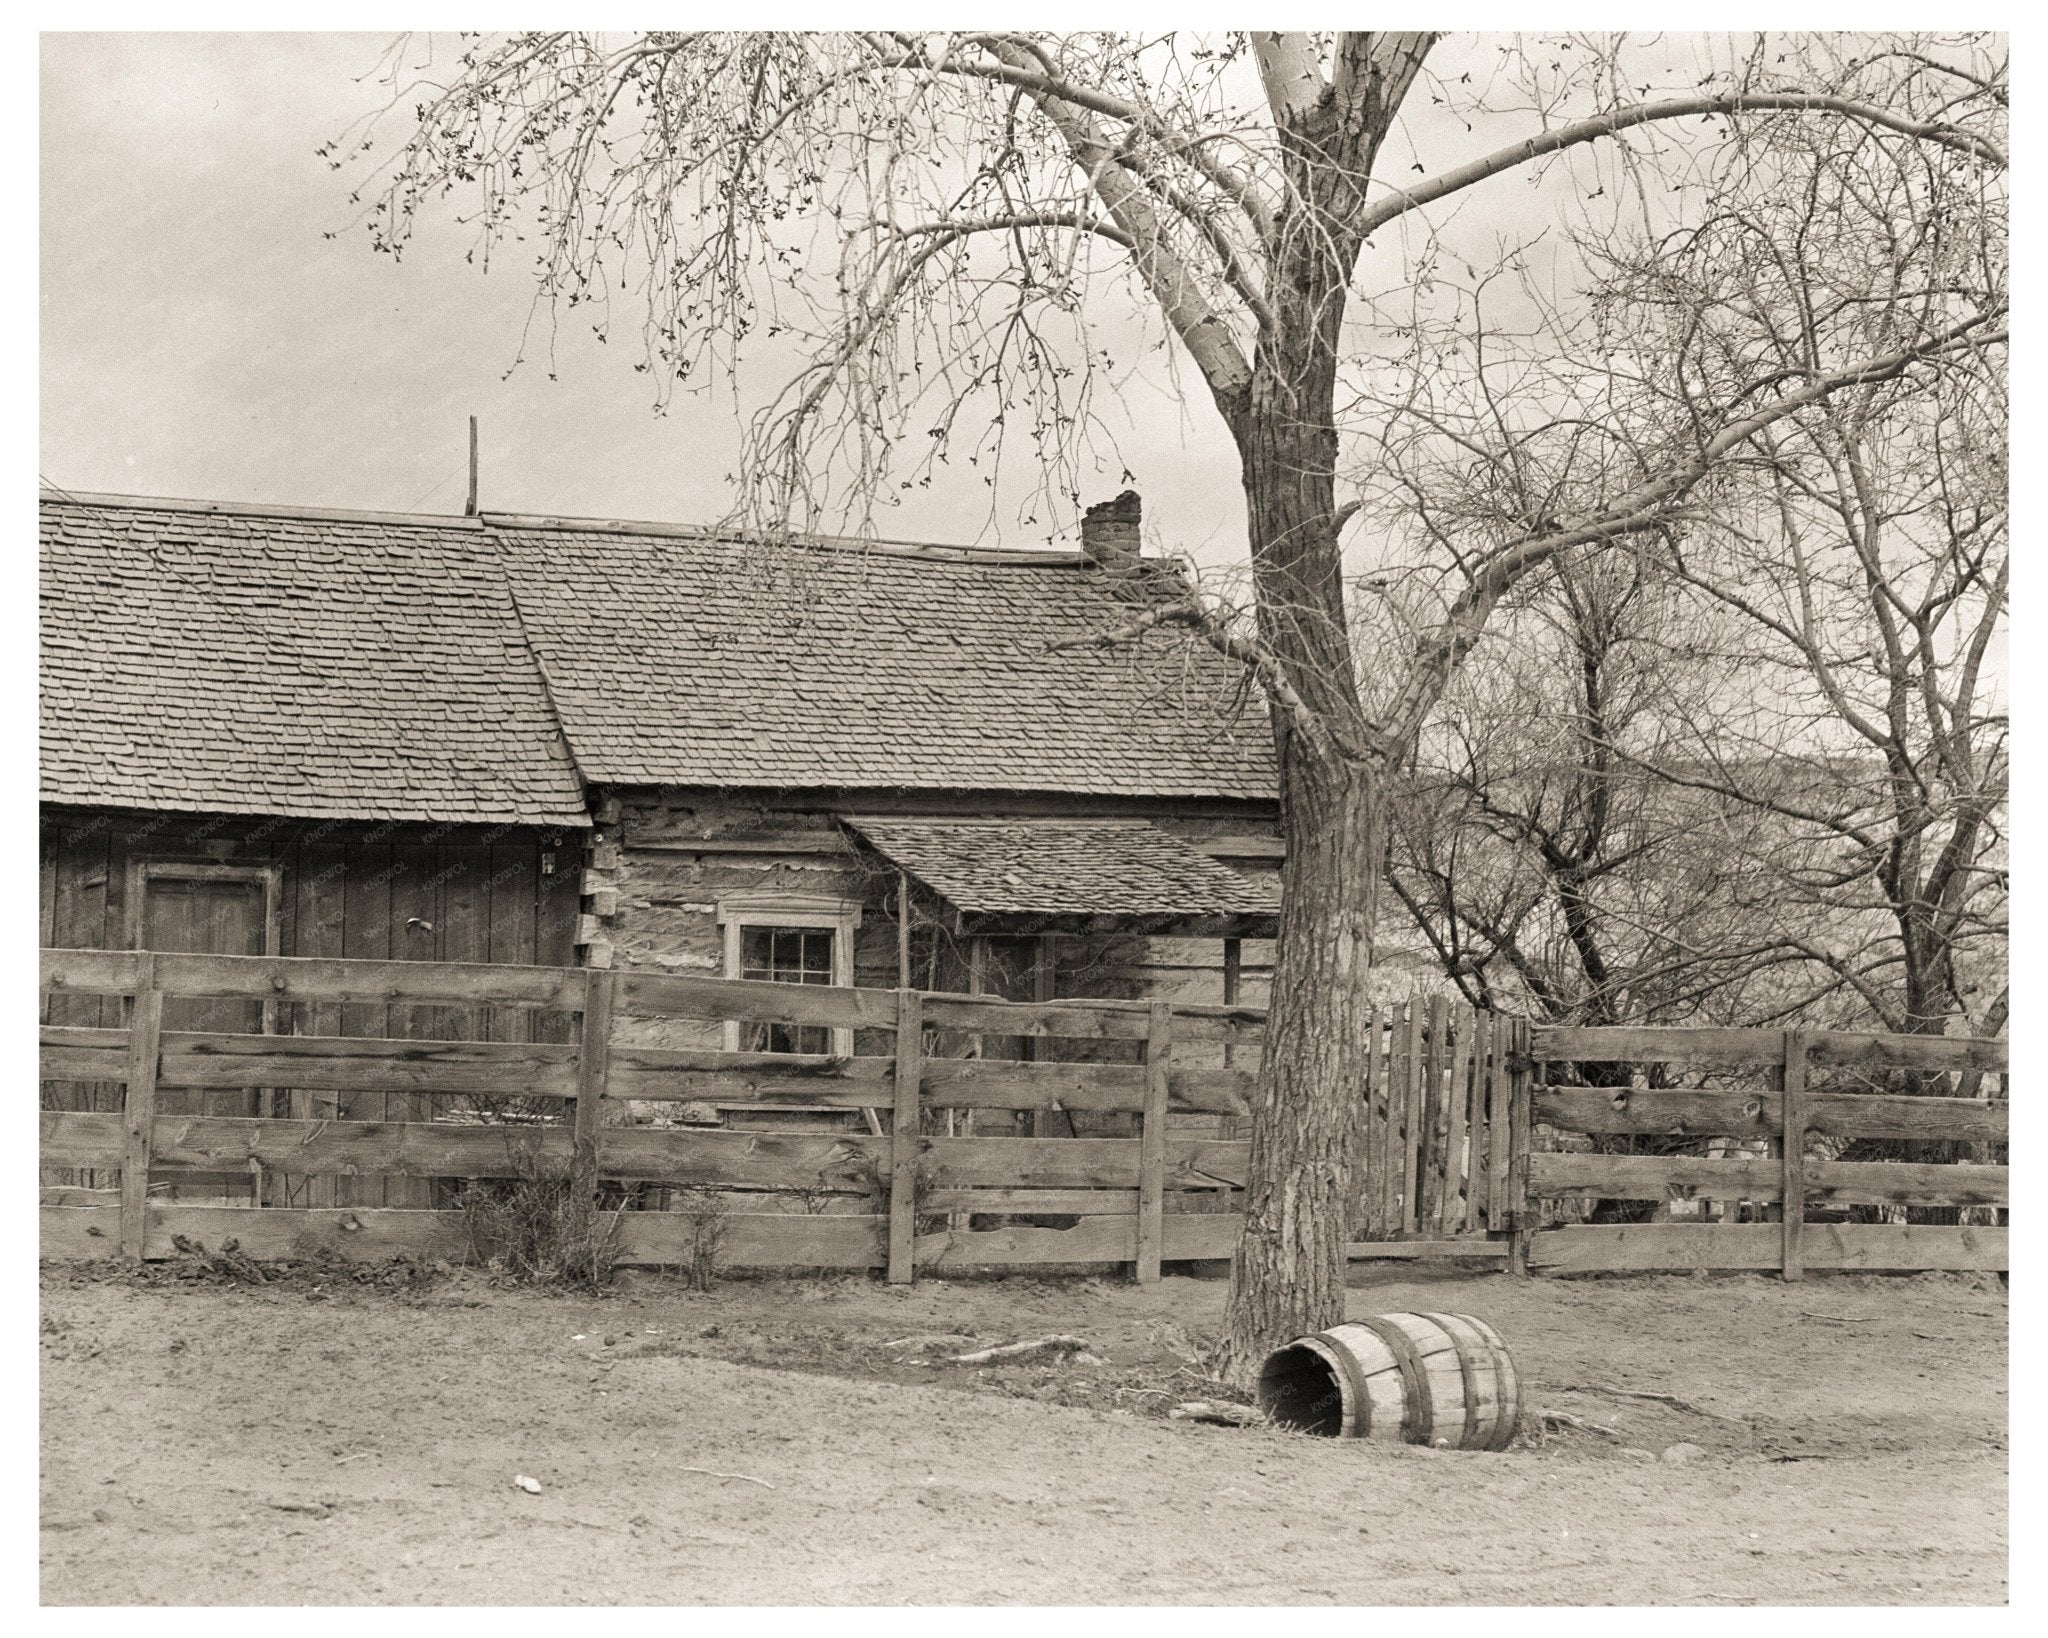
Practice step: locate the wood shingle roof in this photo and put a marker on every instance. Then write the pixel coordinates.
(325, 668)
(999, 873)
(481, 670)
(706, 662)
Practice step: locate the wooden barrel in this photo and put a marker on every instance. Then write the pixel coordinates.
(1422, 1379)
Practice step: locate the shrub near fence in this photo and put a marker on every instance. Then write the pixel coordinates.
(1784, 1108)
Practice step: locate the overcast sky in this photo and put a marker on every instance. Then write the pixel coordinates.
(200, 338)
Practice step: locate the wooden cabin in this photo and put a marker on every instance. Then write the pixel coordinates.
(535, 740)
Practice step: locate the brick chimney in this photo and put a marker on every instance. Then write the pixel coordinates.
(1109, 531)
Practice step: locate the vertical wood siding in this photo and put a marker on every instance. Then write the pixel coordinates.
(410, 892)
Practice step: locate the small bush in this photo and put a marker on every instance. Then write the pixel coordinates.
(538, 1226)
(230, 1265)
(705, 1211)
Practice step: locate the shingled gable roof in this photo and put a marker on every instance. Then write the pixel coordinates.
(314, 667)
(675, 660)
(237, 659)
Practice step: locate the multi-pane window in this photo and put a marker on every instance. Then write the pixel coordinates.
(788, 938)
(787, 955)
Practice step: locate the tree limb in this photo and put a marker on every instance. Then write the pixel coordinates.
(1643, 509)
(1622, 119)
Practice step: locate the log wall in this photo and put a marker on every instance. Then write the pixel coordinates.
(671, 855)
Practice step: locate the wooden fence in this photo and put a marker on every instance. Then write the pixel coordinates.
(930, 1200)
(1791, 1087)
(1436, 1151)
(1451, 1107)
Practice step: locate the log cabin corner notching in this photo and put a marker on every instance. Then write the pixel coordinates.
(536, 740)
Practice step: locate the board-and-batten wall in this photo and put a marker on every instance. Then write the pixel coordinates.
(342, 888)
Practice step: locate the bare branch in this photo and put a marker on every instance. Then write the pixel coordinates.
(1618, 120)
(1644, 509)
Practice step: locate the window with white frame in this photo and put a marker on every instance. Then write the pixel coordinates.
(788, 938)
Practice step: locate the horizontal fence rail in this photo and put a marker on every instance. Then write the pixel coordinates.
(1738, 1048)
(903, 1156)
(304, 978)
(1786, 1117)
(918, 1198)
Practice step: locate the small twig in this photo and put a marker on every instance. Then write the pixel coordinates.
(357, 1457)
(1836, 1319)
(713, 1473)
(1217, 1410)
(1017, 1350)
(1929, 1336)
(1564, 1419)
(1671, 1399)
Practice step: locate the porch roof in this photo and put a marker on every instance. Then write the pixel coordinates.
(1073, 875)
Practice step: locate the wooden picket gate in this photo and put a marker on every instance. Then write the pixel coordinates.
(1437, 1142)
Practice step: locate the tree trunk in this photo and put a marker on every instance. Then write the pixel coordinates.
(1308, 1104)
(1287, 1277)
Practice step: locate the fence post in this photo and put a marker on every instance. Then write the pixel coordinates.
(1152, 1142)
(593, 1061)
(145, 1045)
(1472, 1075)
(1499, 1218)
(1521, 1123)
(903, 1140)
(1793, 1171)
(1367, 1163)
(1415, 1112)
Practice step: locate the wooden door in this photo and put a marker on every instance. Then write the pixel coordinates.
(205, 910)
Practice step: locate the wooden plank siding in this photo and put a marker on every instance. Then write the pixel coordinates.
(347, 890)
(76, 870)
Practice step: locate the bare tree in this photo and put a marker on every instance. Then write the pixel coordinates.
(1545, 864)
(1859, 550)
(1876, 729)
(977, 196)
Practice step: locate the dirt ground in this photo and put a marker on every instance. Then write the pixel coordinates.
(327, 1441)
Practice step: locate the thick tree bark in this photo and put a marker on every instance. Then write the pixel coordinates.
(1287, 1277)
